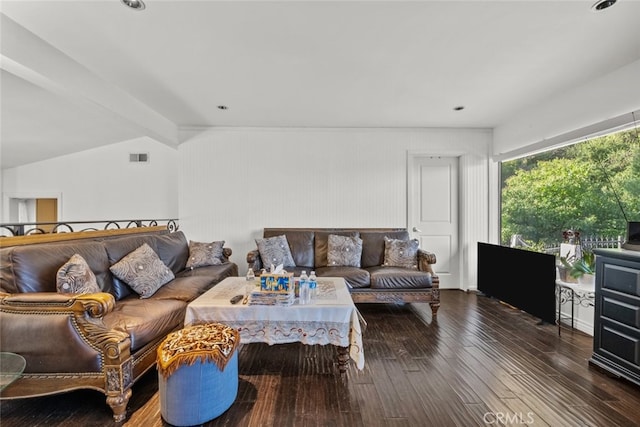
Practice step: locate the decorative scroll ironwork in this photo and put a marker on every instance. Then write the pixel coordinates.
(27, 228)
(590, 242)
(579, 297)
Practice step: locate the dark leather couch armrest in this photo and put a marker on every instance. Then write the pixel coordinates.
(93, 305)
(425, 260)
(226, 253)
(426, 256)
(254, 260)
(48, 314)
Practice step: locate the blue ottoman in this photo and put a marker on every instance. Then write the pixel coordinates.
(197, 373)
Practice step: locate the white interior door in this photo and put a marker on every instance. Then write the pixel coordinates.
(433, 212)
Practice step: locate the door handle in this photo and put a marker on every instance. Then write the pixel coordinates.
(416, 230)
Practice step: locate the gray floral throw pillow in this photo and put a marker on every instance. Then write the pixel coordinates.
(344, 251)
(143, 270)
(76, 277)
(275, 250)
(203, 254)
(401, 253)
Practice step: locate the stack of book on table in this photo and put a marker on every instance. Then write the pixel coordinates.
(271, 298)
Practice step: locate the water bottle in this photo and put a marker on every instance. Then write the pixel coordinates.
(251, 276)
(305, 295)
(313, 285)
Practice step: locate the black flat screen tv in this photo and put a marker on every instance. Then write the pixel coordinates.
(523, 279)
(633, 232)
(633, 236)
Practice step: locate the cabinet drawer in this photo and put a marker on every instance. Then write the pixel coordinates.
(620, 344)
(621, 279)
(621, 312)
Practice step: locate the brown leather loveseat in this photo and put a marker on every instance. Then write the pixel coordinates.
(372, 280)
(103, 341)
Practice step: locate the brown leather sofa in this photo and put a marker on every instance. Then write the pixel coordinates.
(102, 341)
(372, 282)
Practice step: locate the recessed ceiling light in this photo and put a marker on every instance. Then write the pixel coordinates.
(458, 108)
(603, 4)
(134, 4)
(222, 107)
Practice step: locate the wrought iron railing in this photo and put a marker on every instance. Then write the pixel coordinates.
(591, 242)
(27, 228)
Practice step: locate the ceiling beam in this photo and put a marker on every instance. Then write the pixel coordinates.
(29, 57)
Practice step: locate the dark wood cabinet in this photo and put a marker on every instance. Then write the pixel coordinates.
(616, 328)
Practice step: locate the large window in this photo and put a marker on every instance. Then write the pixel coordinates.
(592, 187)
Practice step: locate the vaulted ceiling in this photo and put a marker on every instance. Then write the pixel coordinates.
(80, 74)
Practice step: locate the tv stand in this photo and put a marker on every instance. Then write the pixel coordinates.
(616, 328)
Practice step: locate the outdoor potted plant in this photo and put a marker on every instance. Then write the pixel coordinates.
(582, 269)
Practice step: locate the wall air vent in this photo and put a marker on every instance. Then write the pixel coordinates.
(138, 157)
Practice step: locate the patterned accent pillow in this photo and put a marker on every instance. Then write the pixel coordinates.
(401, 253)
(344, 251)
(275, 250)
(76, 277)
(203, 254)
(143, 270)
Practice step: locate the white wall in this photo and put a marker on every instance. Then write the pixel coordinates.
(235, 182)
(101, 184)
(601, 100)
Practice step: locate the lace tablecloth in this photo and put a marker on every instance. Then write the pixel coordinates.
(332, 318)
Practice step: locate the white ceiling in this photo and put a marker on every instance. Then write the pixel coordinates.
(81, 74)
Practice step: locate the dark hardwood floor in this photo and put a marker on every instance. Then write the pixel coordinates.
(481, 363)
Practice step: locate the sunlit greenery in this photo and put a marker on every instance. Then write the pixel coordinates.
(573, 187)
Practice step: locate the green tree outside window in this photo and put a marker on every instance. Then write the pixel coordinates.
(573, 187)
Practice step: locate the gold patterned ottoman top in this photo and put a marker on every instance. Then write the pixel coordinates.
(212, 342)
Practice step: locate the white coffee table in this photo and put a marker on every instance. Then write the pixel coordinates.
(332, 318)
